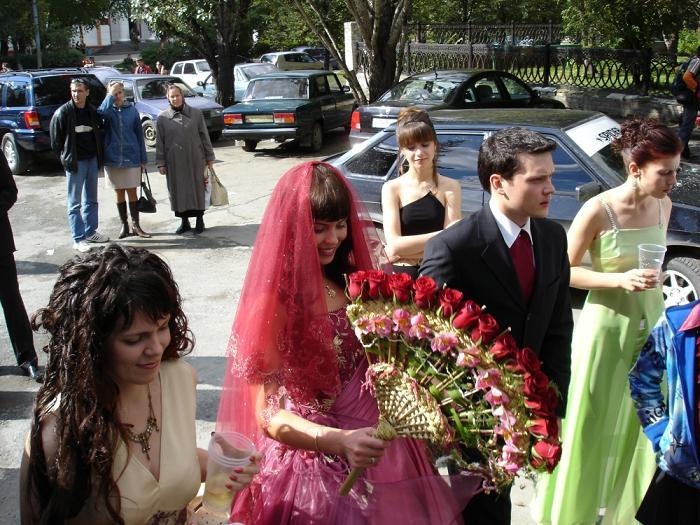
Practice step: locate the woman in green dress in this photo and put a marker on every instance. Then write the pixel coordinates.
(606, 461)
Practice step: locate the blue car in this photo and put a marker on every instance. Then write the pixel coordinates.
(242, 75)
(584, 163)
(147, 92)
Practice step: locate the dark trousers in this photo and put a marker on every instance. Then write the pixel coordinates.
(15, 314)
(687, 122)
(488, 509)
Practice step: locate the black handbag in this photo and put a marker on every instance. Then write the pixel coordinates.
(146, 202)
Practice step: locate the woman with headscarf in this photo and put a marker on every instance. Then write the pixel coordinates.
(183, 155)
(295, 374)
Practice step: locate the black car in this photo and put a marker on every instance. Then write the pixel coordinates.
(299, 105)
(584, 163)
(446, 89)
(28, 100)
(319, 53)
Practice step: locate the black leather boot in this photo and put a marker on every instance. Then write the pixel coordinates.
(199, 225)
(134, 210)
(124, 232)
(184, 226)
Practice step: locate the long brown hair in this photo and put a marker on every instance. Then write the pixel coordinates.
(93, 297)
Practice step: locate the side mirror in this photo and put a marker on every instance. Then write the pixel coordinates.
(587, 191)
(346, 89)
(200, 83)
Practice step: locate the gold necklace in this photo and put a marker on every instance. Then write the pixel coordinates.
(329, 291)
(143, 438)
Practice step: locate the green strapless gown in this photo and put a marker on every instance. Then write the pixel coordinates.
(607, 462)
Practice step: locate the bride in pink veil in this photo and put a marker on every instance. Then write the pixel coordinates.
(295, 372)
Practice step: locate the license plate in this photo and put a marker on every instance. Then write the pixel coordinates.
(259, 119)
(382, 122)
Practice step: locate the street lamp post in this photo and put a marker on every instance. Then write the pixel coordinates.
(37, 37)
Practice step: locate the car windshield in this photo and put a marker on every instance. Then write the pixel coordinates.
(257, 70)
(275, 88)
(421, 90)
(154, 88)
(203, 65)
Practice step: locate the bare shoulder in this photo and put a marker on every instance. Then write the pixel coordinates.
(49, 438)
(447, 184)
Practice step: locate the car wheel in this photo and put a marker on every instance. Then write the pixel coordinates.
(249, 145)
(681, 281)
(317, 137)
(149, 133)
(16, 156)
(214, 136)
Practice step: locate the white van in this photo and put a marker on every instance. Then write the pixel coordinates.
(191, 71)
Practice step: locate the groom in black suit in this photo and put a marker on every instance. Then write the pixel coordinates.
(512, 259)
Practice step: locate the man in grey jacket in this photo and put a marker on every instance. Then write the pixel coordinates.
(77, 139)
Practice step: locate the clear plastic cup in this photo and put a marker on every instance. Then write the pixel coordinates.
(227, 450)
(651, 257)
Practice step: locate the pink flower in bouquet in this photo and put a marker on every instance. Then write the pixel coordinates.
(511, 458)
(419, 327)
(362, 324)
(356, 284)
(486, 330)
(443, 342)
(466, 360)
(381, 325)
(504, 347)
(496, 396)
(467, 315)
(449, 301)
(378, 286)
(400, 285)
(488, 378)
(424, 289)
(402, 320)
(506, 417)
(547, 454)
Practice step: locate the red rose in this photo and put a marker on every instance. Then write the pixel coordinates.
(486, 330)
(543, 403)
(449, 301)
(467, 316)
(544, 427)
(535, 384)
(356, 284)
(528, 360)
(377, 284)
(548, 451)
(400, 284)
(504, 347)
(424, 289)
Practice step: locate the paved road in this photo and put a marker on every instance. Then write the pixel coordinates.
(209, 269)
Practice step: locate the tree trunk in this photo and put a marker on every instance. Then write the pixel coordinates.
(224, 79)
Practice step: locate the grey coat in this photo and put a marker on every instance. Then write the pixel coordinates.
(184, 148)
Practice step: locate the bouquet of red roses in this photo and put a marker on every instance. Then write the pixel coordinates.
(493, 395)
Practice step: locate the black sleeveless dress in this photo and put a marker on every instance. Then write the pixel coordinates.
(425, 215)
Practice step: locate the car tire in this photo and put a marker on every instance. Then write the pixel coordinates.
(214, 136)
(316, 139)
(249, 145)
(16, 157)
(149, 133)
(681, 281)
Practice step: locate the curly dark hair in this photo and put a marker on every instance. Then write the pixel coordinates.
(643, 140)
(93, 296)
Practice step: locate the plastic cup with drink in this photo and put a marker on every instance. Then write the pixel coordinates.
(227, 450)
(651, 257)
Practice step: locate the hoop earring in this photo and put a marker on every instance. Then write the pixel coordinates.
(635, 183)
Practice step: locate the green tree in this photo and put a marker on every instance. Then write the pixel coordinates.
(214, 28)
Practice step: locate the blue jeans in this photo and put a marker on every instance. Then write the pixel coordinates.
(687, 122)
(82, 199)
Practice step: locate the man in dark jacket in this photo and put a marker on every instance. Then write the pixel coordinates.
(15, 314)
(77, 139)
(691, 78)
(511, 258)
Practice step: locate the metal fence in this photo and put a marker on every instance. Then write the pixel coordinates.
(633, 71)
(500, 34)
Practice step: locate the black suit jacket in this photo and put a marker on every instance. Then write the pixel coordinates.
(8, 197)
(472, 257)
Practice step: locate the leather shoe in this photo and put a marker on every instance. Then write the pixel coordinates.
(33, 371)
